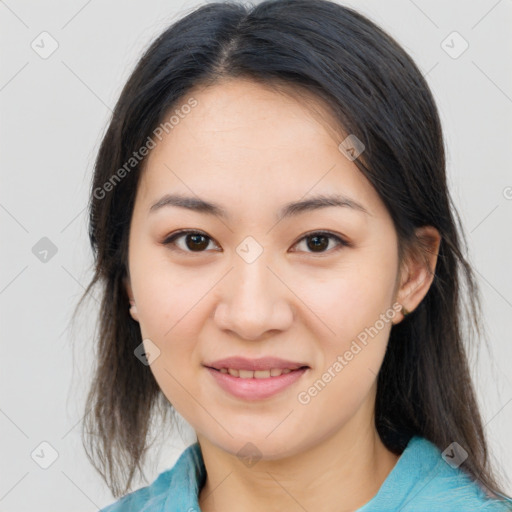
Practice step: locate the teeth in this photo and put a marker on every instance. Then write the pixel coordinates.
(258, 374)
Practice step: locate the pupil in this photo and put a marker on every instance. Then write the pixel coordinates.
(315, 245)
(197, 245)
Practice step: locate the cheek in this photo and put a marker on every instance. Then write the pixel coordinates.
(167, 296)
(169, 307)
(356, 306)
(350, 300)
(351, 357)
(171, 304)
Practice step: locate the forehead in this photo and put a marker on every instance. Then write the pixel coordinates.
(248, 114)
(245, 140)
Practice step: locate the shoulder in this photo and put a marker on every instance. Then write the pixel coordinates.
(442, 484)
(146, 499)
(180, 482)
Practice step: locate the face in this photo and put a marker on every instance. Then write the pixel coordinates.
(313, 287)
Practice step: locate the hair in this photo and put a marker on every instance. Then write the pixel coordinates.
(373, 90)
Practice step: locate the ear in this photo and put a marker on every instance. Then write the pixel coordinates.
(418, 269)
(133, 307)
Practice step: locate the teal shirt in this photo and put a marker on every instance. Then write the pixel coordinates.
(421, 481)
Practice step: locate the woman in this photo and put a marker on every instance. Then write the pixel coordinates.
(280, 264)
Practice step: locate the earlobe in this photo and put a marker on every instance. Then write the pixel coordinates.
(133, 307)
(133, 310)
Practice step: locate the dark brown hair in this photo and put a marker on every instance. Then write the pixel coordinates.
(374, 91)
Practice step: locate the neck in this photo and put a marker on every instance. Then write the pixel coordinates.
(341, 473)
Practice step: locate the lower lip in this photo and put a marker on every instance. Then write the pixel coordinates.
(255, 389)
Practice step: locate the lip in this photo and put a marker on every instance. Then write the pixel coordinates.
(263, 363)
(255, 389)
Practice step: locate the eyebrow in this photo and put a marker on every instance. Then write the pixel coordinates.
(288, 210)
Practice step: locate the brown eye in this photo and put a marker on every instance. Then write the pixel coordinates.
(318, 242)
(194, 241)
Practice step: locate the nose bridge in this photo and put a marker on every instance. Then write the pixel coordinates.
(254, 301)
(252, 277)
(252, 281)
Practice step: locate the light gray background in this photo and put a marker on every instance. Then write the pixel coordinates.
(54, 112)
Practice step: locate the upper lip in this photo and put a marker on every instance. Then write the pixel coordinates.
(263, 363)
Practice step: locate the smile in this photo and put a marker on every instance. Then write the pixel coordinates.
(255, 385)
(258, 374)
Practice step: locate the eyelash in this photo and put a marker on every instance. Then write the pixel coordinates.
(170, 241)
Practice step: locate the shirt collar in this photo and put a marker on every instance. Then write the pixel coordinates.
(188, 477)
(419, 458)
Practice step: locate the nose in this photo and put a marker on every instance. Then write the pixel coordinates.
(254, 301)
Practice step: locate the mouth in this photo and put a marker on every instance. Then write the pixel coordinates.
(257, 374)
(238, 365)
(255, 379)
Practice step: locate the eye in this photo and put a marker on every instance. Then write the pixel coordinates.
(318, 241)
(196, 241)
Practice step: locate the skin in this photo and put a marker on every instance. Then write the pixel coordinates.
(251, 150)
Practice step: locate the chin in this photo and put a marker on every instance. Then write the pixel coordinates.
(258, 444)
